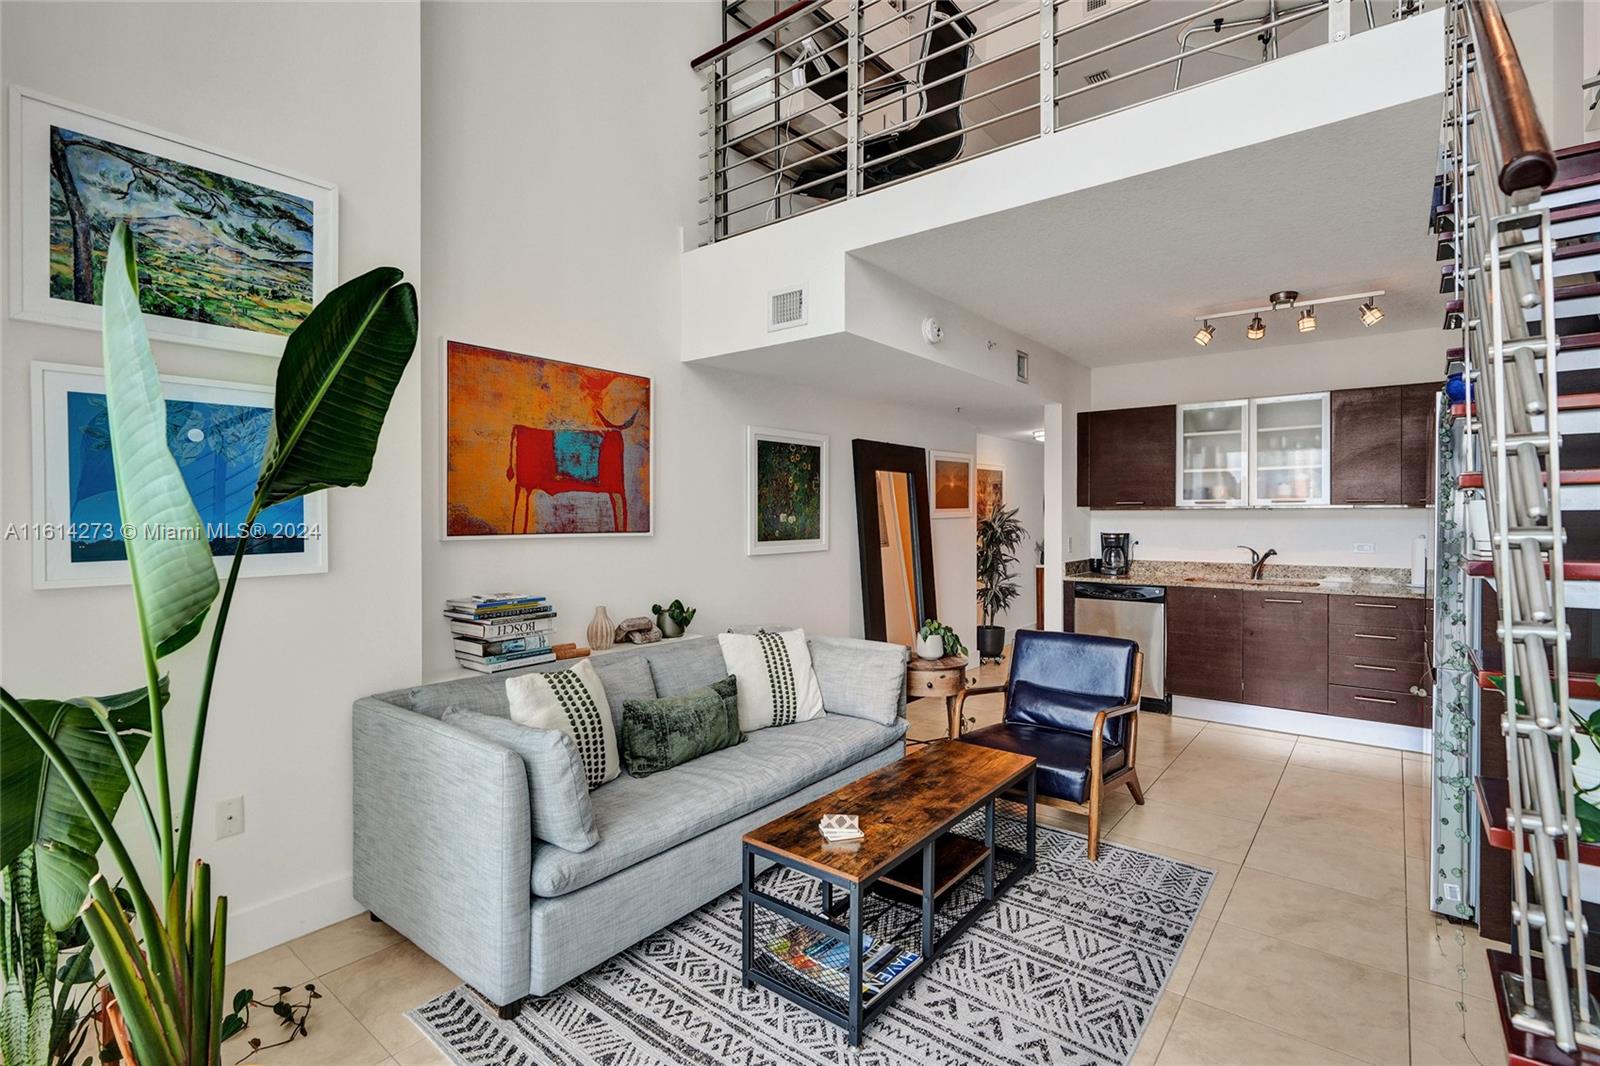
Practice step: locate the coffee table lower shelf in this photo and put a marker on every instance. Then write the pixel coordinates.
(961, 877)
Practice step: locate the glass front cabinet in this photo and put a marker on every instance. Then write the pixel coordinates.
(1212, 442)
(1289, 450)
(1267, 452)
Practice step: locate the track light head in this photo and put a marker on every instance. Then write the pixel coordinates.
(1308, 320)
(1256, 330)
(1371, 313)
(1203, 335)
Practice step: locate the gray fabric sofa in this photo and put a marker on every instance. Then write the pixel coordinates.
(445, 853)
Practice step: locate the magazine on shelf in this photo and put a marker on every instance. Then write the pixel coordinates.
(482, 649)
(503, 630)
(810, 953)
(493, 599)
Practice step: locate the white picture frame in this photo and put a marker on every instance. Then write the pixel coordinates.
(54, 526)
(445, 414)
(32, 116)
(951, 459)
(755, 436)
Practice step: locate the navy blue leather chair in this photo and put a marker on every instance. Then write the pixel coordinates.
(1071, 702)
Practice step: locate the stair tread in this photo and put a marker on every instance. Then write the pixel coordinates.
(1576, 167)
(1572, 569)
(1563, 292)
(1579, 685)
(1494, 796)
(1575, 342)
(1528, 1049)
(1473, 479)
(1569, 401)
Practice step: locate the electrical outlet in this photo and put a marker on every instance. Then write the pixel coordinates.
(230, 817)
(1364, 549)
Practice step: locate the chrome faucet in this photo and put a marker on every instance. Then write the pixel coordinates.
(1258, 560)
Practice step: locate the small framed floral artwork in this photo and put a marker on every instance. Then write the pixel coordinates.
(787, 510)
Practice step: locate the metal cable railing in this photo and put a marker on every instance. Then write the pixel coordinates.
(826, 100)
(1500, 162)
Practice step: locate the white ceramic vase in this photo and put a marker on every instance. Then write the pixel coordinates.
(930, 647)
(602, 631)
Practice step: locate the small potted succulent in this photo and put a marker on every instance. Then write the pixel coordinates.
(935, 640)
(672, 619)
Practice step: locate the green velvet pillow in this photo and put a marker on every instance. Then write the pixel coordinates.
(662, 733)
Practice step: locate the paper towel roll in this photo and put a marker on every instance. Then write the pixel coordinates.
(1419, 562)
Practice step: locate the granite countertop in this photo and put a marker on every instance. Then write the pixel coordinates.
(1326, 580)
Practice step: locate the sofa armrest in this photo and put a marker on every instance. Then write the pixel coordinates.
(861, 678)
(443, 844)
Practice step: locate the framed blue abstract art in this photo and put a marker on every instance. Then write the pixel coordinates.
(217, 433)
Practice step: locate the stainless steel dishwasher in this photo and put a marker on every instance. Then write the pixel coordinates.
(1132, 612)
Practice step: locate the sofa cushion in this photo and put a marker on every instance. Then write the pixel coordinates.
(638, 817)
(669, 731)
(685, 664)
(624, 677)
(861, 678)
(777, 685)
(574, 702)
(558, 790)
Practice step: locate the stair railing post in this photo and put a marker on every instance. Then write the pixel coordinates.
(1338, 21)
(1047, 66)
(853, 182)
(714, 116)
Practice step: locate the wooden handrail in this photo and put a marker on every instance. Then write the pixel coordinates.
(1529, 162)
(732, 43)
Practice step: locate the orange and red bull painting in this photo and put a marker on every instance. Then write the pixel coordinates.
(538, 447)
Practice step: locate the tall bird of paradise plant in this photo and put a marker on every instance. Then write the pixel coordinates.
(336, 380)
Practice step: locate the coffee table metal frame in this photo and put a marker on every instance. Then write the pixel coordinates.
(859, 1013)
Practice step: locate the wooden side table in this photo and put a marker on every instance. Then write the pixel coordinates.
(945, 677)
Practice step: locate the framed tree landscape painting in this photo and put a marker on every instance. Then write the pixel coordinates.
(787, 508)
(991, 489)
(232, 254)
(216, 431)
(536, 447)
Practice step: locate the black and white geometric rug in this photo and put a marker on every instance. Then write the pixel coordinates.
(1066, 969)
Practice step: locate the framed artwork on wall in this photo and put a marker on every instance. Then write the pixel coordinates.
(787, 505)
(536, 447)
(991, 489)
(232, 254)
(217, 431)
(950, 474)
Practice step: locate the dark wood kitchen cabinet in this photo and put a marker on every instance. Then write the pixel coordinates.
(1132, 457)
(1285, 660)
(1205, 646)
(1382, 447)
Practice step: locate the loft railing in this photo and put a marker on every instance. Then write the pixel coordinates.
(825, 100)
(1500, 162)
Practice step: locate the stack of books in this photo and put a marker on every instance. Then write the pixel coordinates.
(501, 630)
(817, 956)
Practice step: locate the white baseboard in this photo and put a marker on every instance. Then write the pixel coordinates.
(1326, 726)
(276, 921)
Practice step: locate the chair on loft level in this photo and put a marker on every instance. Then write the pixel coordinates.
(1072, 702)
(927, 141)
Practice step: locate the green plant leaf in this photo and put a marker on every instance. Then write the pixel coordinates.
(1588, 820)
(336, 379)
(36, 805)
(174, 579)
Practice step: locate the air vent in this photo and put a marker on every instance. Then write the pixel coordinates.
(1097, 76)
(786, 308)
(1094, 5)
(1022, 366)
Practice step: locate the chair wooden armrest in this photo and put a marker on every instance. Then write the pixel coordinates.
(961, 703)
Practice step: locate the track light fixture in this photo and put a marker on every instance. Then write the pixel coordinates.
(1289, 300)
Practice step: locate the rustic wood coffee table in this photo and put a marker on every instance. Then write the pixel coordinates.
(929, 858)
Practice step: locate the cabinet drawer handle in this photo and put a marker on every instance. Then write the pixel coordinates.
(1373, 699)
(1128, 503)
(1269, 599)
(1381, 606)
(1385, 669)
(1373, 636)
(1371, 499)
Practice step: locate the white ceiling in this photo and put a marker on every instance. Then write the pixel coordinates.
(1115, 274)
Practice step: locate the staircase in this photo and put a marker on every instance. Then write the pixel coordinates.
(1521, 226)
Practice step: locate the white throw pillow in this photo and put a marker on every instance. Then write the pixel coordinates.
(776, 683)
(573, 702)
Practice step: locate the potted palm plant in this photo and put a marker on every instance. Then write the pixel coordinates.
(998, 537)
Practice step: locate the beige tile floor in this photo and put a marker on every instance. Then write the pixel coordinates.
(1315, 945)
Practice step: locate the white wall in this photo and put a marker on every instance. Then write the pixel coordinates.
(559, 234)
(330, 91)
(1024, 489)
(1312, 537)
(1549, 36)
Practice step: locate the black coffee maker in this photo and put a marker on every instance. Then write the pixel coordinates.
(1115, 554)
